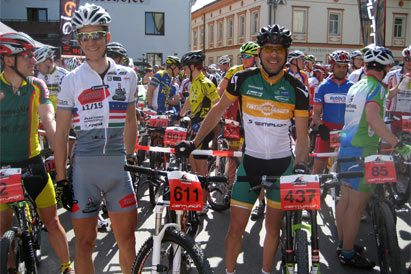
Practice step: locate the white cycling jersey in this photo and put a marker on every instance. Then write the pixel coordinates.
(99, 107)
(356, 75)
(53, 81)
(402, 101)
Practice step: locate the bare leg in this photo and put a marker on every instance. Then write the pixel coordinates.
(85, 230)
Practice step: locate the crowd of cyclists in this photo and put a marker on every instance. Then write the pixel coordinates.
(277, 95)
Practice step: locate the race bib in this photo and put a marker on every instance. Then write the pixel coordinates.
(185, 191)
(379, 169)
(173, 135)
(406, 123)
(232, 129)
(158, 121)
(300, 192)
(11, 189)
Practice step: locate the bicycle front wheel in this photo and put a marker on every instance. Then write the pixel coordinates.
(219, 196)
(301, 251)
(389, 253)
(192, 257)
(22, 252)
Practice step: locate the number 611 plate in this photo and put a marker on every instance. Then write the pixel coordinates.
(185, 191)
(300, 192)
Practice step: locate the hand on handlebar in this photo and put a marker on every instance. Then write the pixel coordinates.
(184, 148)
(404, 150)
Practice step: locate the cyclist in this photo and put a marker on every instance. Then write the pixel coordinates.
(203, 95)
(363, 127)
(213, 75)
(357, 74)
(296, 62)
(269, 98)
(224, 65)
(357, 60)
(118, 53)
(309, 63)
(148, 73)
(24, 99)
(104, 114)
(49, 72)
(319, 74)
(159, 88)
(329, 106)
(249, 58)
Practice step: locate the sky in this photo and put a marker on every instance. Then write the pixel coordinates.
(199, 4)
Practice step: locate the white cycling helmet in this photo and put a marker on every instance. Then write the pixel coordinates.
(212, 67)
(90, 15)
(357, 54)
(295, 54)
(72, 63)
(379, 55)
(43, 53)
(406, 52)
(340, 57)
(223, 60)
(15, 43)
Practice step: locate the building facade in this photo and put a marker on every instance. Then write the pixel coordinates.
(319, 26)
(150, 30)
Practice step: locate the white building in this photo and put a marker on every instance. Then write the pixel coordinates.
(132, 23)
(319, 26)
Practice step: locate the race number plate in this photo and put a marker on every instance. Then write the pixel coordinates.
(158, 121)
(149, 111)
(11, 189)
(334, 139)
(173, 135)
(300, 192)
(379, 169)
(185, 191)
(232, 129)
(406, 123)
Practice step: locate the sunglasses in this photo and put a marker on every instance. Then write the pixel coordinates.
(95, 35)
(247, 56)
(270, 49)
(27, 54)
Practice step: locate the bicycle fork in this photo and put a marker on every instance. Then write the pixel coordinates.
(158, 237)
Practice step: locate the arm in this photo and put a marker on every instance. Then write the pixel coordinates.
(212, 119)
(186, 107)
(222, 86)
(149, 95)
(393, 91)
(46, 114)
(372, 115)
(174, 100)
(61, 139)
(318, 110)
(130, 129)
(302, 145)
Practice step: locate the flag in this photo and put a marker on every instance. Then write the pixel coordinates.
(372, 20)
(67, 9)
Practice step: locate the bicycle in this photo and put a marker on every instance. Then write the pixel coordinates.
(23, 241)
(170, 248)
(301, 192)
(380, 170)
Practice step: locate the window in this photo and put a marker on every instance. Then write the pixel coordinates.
(299, 21)
(211, 33)
(334, 23)
(195, 38)
(219, 31)
(155, 59)
(230, 28)
(36, 14)
(254, 23)
(399, 27)
(154, 23)
(241, 26)
(201, 36)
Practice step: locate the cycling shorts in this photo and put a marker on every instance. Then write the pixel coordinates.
(204, 145)
(254, 168)
(40, 190)
(95, 177)
(357, 184)
(322, 146)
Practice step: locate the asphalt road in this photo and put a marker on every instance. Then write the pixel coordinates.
(212, 238)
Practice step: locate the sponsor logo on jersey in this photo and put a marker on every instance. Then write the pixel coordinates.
(94, 94)
(281, 98)
(335, 98)
(254, 93)
(267, 108)
(266, 124)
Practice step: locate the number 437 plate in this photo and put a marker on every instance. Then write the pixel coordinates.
(300, 192)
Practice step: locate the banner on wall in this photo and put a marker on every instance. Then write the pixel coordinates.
(67, 9)
(372, 19)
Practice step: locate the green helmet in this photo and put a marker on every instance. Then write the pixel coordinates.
(249, 48)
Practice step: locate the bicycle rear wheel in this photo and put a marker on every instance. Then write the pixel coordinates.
(389, 254)
(301, 251)
(23, 254)
(192, 257)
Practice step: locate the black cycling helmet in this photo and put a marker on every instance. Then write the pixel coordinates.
(114, 48)
(274, 34)
(193, 58)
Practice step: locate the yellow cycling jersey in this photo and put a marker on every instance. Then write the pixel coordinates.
(232, 71)
(203, 93)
